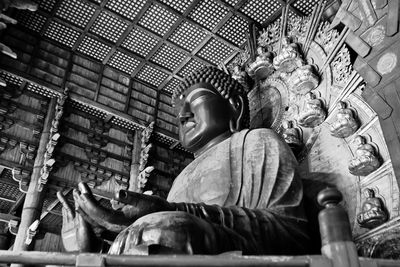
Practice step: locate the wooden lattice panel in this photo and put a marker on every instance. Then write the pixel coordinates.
(128, 9)
(151, 75)
(168, 57)
(32, 21)
(40, 90)
(139, 42)
(90, 110)
(76, 12)
(232, 2)
(62, 34)
(260, 11)
(108, 26)
(158, 20)
(94, 48)
(208, 13)
(235, 30)
(10, 79)
(215, 51)
(123, 62)
(187, 36)
(124, 124)
(171, 85)
(179, 6)
(191, 66)
(305, 6)
(47, 5)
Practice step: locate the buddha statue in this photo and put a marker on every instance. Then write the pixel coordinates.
(313, 114)
(292, 137)
(242, 191)
(262, 67)
(345, 123)
(365, 160)
(289, 57)
(372, 212)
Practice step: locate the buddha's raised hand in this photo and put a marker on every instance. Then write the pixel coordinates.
(76, 234)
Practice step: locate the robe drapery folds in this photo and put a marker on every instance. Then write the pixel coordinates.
(247, 190)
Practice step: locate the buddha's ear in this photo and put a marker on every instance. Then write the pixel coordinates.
(237, 104)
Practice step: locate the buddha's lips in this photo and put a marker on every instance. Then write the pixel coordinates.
(190, 124)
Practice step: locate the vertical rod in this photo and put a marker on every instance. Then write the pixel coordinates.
(133, 183)
(34, 198)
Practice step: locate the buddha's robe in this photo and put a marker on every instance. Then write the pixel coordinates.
(247, 189)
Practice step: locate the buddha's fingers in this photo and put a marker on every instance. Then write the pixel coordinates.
(85, 190)
(3, 83)
(69, 214)
(7, 19)
(7, 51)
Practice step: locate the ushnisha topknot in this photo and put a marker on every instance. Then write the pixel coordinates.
(222, 82)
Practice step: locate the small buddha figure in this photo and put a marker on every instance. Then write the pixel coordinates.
(262, 67)
(365, 160)
(289, 58)
(241, 192)
(292, 137)
(240, 75)
(372, 212)
(313, 114)
(345, 124)
(303, 80)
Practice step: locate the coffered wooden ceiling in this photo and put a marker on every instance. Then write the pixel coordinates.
(152, 43)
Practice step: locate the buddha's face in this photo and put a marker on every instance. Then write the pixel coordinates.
(203, 114)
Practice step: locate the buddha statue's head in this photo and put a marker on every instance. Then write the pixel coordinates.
(210, 106)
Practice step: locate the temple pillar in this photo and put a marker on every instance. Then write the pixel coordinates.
(34, 197)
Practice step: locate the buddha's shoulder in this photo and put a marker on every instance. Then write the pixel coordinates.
(260, 135)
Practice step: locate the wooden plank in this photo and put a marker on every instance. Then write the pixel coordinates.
(358, 44)
(371, 77)
(377, 103)
(392, 21)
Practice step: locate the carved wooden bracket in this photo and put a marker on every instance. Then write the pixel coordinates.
(94, 175)
(53, 141)
(7, 143)
(5, 122)
(27, 152)
(101, 129)
(22, 177)
(94, 155)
